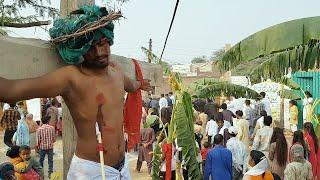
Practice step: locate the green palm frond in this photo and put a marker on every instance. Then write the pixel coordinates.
(290, 83)
(270, 52)
(208, 87)
(289, 94)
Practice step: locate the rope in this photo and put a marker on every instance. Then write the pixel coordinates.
(174, 14)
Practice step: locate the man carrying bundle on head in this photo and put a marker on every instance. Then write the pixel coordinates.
(92, 87)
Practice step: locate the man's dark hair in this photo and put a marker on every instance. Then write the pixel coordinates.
(162, 95)
(209, 100)
(293, 102)
(223, 106)
(206, 144)
(263, 113)
(170, 93)
(267, 120)
(263, 94)
(247, 102)
(24, 148)
(166, 94)
(239, 113)
(308, 93)
(12, 105)
(219, 116)
(218, 139)
(256, 156)
(45, 119)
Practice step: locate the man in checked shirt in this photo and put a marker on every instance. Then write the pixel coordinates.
(9, 122)
(45, 140)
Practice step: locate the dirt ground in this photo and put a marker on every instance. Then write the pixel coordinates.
(58, 160)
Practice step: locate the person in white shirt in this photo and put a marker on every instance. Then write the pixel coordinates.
(262, 139)
(211, 129)
(163, 102)
(171, 96)
(307, 103)
(239, 154)
(267, 103)
(248, 114)
(242, 126)
(259, 123)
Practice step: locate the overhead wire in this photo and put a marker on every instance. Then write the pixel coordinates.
(174, 15)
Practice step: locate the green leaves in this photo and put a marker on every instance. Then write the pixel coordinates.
(183, 118)
(208, 87)
(156, 162)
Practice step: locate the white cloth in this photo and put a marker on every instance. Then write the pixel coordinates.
(5, 106)
(163, 103)
(267, 106)
(307, 103)
(262, 139)
(81, 169)
(211, 128)
(260, 122)
(259, 169)
(173, 99)
(239, 153)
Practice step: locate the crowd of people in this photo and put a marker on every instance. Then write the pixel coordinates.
(23, 133)
(235, 142)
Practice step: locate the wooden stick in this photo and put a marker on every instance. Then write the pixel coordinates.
(98, 133)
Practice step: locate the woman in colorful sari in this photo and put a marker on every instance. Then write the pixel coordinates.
(314, 152)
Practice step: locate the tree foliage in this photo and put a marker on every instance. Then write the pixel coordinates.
(217, 55)
(11, 15)
(202, 59)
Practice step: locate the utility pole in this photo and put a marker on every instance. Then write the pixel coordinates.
(150, 51)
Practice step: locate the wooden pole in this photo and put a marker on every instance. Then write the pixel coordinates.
(69, 133)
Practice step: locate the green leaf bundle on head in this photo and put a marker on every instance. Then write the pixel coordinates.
(72, 48)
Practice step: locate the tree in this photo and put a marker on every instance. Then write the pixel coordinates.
(202, 59)
(217, 55)
(11, 15)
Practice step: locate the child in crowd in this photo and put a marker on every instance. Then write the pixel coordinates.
(25, 166)
(204, 153)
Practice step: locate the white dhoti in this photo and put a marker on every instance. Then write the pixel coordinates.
(81, 169)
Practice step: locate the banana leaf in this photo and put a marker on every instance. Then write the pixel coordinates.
(156, 162)
(290, 83)
(209, 87)
(275, 39)
(183, 118)
(289, 94)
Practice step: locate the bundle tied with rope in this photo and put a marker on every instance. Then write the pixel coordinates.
(74, 34)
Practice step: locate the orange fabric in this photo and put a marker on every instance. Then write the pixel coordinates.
(267, 176)
(133, 112)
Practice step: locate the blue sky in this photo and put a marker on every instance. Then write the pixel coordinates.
(200, 26)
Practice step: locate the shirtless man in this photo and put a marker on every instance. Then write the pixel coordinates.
(93, 90)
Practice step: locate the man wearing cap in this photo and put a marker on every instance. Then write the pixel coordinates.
(86, 84)
(239, 154)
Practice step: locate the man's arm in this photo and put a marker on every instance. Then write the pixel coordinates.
(49, 85)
